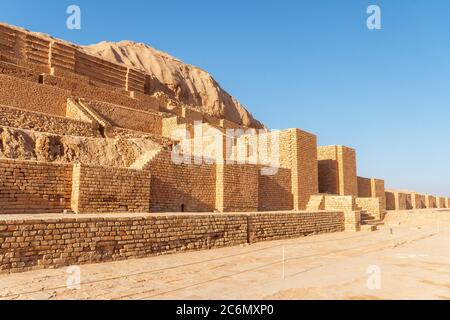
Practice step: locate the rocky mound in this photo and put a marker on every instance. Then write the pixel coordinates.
(182, 82)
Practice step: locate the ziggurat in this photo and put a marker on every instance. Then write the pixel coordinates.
(87, 171)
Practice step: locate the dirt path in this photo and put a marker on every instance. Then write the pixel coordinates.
(409, 258)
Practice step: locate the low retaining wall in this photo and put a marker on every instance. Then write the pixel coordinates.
(276, 226)
(32, 242)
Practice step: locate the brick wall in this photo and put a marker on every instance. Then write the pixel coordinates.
(13, 70)
(347, 160)
(237, 188)
(390, 201)
(372, 206)
(396, 200)
(100, 70)
(328, 170)
(337, 170)
(32, 96)
(187, 187)
(430, 202)
(18, 118)
(418, 201)
(128, 118)
(106, 189)
(43, 243)
(441, 203)
(51, 242)
(34, 187)
(364, 187)
(347, 204)
(276, 226)
(275, 193)
(372, 188)
(91, 91)
(301, 152)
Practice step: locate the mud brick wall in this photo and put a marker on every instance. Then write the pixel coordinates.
(190, 115)
(352, 221)
(90, 91)
(390, 201)
(227, 124)
(32, 96)
(398, 200)
(372, 188)
(347, 161)
(19, 118)
(100, 70)
(34, 187)
(418, 201)
(37, 50)
(364, 187)
(297, 152)
(9, 69)
(151, 103)
(276, 226)
(275, 193)
(378, 188)
(337, 170)
(340, 203)
(304, 169)
(7, 40)
(346, 204)
(211, 120)
(441, 203)
(372, 206)
(59, 57)
(237, 188)
(135, 80)
(24, 49)
(128, 118)
(50, 243)
(430, 202)
(107, 189)
(328, 167)
(405, 201)
(188, 187)
(62, 56)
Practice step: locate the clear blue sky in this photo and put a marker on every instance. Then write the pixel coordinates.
(307, 64)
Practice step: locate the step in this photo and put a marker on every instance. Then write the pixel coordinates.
(368, 228)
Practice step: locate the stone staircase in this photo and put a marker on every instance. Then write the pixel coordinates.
(369, 223)
(144, 160)
(316, 202)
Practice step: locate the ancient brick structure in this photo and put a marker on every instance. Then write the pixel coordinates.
(418, 201)
(397, 200)
(430, 202)
(337, 171)
(372, 197)
(52, 241)
(82, 135)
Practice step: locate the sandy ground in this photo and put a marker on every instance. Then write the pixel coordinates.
(408, 258)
